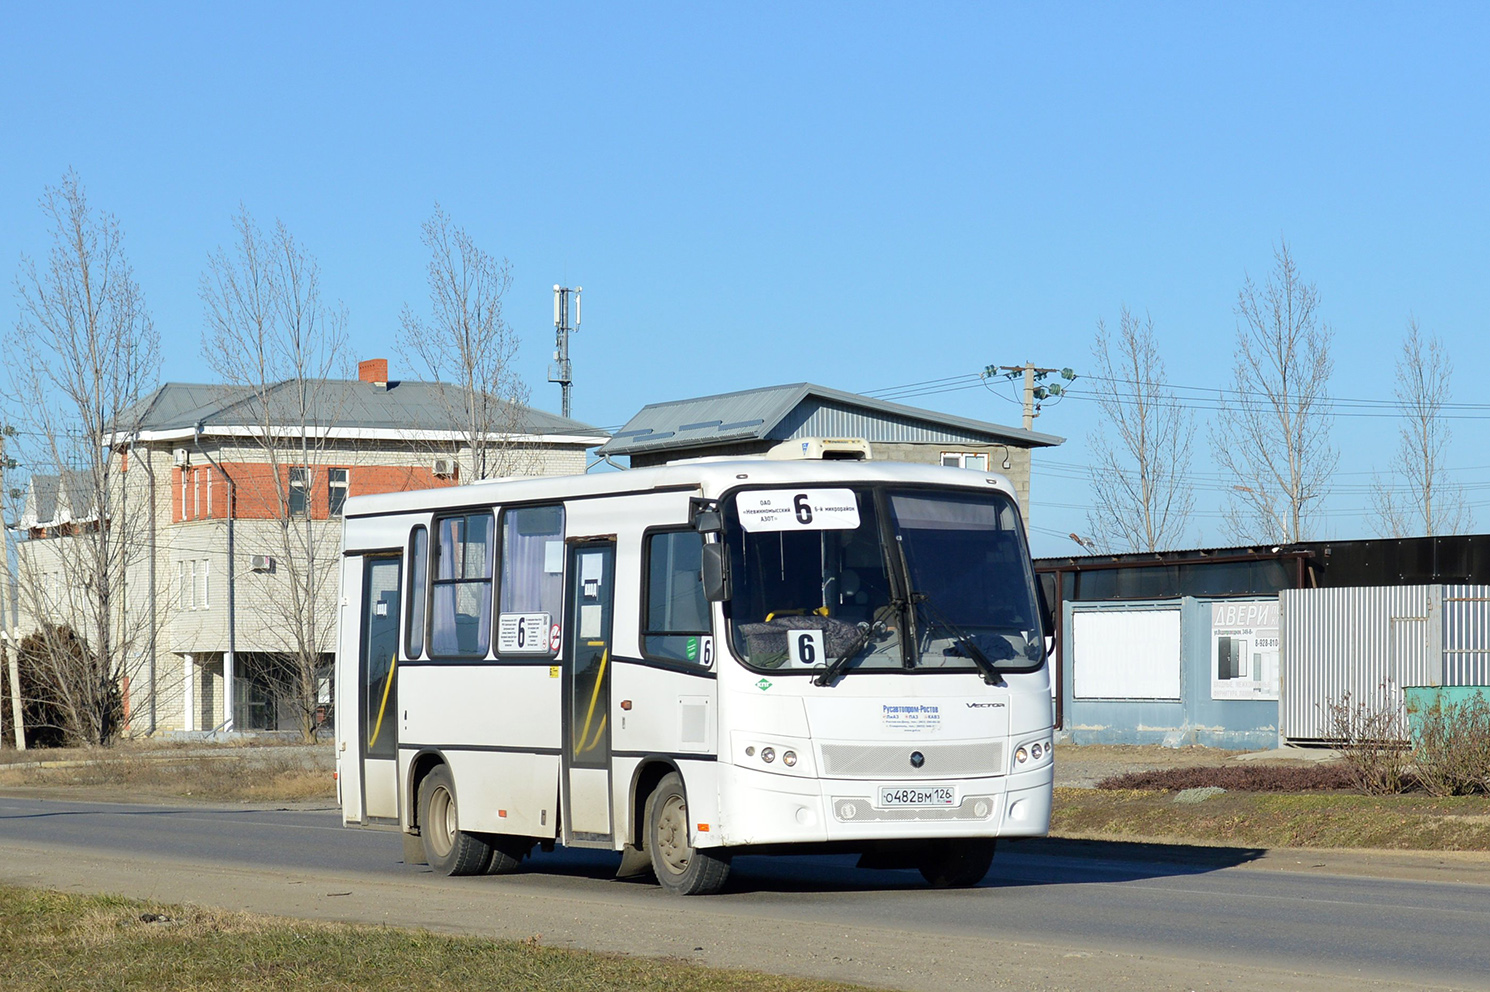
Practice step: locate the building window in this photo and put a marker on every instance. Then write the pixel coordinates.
(977, 461)
(193, 584)
(336, 490)
(299, 490)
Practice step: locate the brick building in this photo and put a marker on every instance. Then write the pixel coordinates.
(238, 537)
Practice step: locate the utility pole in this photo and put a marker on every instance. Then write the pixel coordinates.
(9, 644)
(1035, 389)
(561, 371)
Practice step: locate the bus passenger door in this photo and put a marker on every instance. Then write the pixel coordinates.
(378, 688)
(587, 813)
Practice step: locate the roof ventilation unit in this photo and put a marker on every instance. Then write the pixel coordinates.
(821, 449)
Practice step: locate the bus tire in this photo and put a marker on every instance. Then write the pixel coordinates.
(449, 850)
(680, 868)
(956, 864)
(507, 852)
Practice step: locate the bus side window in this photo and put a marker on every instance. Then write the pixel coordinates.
(461, 611)
(532, 589)
(418, 575)
(677, 614)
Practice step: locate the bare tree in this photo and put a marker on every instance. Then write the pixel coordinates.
(270, 334)
(1428, 504)
(83, 353)
(1273, 434)
(468, 348)
(1141, 449)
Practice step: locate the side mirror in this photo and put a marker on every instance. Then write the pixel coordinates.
(708, 522)
(715, 568)
(1045, 587)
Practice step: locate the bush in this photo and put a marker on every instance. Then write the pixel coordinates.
(1451, 747)
(1372, 739)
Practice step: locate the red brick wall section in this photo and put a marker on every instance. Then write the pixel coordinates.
(257, 497)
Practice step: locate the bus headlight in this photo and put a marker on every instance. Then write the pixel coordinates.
(789, 759)
(1021, 756)
(768, 754)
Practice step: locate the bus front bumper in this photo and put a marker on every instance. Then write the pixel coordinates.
(762, 808)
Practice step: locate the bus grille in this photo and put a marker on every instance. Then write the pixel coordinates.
(862, 811)
(894, 760)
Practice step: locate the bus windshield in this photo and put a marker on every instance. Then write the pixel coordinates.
(896, 579)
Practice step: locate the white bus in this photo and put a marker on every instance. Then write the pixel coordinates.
(696, 661)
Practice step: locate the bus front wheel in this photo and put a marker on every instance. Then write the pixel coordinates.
(680, 868)
(956, 864)
(449, 849)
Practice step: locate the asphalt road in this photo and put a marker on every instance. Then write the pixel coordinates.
(1050, 915)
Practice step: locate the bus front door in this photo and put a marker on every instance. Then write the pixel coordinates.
(587, 656)
(378, 688)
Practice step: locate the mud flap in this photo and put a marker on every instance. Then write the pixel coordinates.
(634, 862)
(414, 850)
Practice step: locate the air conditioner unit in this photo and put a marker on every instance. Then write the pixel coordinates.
(444, 467)
(824, 448)
(261, 563)
(183, 458)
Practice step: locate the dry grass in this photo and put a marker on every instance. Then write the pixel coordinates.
(49, 940)
(146, 769)
(1270, 819)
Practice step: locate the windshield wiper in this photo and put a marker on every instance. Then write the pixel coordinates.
(965, 641)
(867, 632)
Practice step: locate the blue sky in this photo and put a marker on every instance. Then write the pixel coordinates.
(860, 195)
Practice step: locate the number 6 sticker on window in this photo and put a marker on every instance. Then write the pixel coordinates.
(804, 648)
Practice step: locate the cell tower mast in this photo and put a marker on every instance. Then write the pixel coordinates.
(561, 371)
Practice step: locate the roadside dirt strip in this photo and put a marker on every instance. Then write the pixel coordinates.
(698, 930)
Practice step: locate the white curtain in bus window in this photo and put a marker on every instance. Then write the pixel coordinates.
(532, 589)
(677, 612)
(1126, 654)
(461, 613)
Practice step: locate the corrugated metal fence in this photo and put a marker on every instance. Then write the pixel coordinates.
(1466, 635)
(1370, 642)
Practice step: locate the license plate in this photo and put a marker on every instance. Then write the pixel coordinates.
(918, 795)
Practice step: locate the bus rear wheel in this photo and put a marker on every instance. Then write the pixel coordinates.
(681, 868)
(449, 849)
(956, 864)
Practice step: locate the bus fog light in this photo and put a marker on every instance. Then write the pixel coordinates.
(1021, 756)
(789, 759)
(980, 810)
(768, 754)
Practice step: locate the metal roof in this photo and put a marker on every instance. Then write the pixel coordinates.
(340, 403)
(801, 410)
(53, 499)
